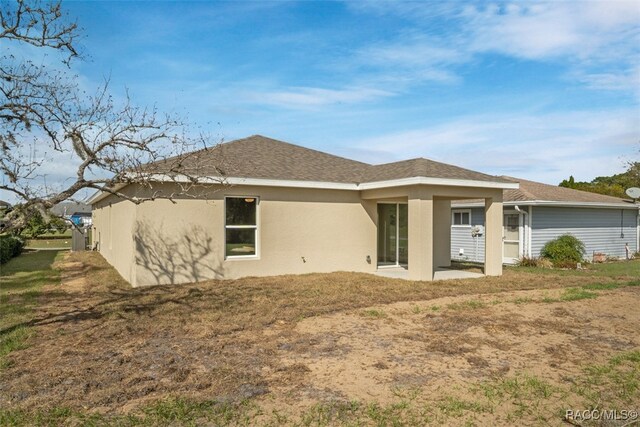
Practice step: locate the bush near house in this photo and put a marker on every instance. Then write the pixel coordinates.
(535, 262)
(10, 246)
(564, 250)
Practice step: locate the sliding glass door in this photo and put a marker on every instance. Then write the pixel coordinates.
(393, 234)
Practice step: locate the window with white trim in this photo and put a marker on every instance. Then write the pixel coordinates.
(461, 218)
(241, 227)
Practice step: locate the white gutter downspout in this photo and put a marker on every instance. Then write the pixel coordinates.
(638, 231)
(525, 238)
(530, 231)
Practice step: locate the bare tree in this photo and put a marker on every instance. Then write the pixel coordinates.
(42, 107)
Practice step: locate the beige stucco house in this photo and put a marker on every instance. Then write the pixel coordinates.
(266, 207)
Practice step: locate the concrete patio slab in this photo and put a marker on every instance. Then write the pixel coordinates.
(439, 274)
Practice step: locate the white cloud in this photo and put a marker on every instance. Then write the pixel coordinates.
(584, 30)
(415, 57)
(310, 97)
(543, 147)
(582, 35)
(623, 80)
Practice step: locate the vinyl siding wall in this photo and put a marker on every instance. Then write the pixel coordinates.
(601, 230)
(461, 239)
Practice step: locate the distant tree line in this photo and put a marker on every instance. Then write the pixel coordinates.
(614, 185)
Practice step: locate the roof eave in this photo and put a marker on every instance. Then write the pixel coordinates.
(451, 182)
(262, 182)
(101, 194)
(554, 203)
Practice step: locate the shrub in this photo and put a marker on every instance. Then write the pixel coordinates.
(528, 262)
(572, 265)
(566, 248)
(10, 246)
(544, 263)
(535, 262)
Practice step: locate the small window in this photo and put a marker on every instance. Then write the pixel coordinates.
(241, 226)
(461, 218)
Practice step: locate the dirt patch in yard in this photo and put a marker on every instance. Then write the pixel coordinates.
(442, 342)
(294, 341)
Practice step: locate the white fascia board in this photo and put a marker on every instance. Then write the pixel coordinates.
(344, 186)
(558, 204)
(417, 180)
(260, 182)
(290, 183)
(99, 194)
(94, 197)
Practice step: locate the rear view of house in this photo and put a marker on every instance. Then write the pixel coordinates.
(536, 213)
(267, 207)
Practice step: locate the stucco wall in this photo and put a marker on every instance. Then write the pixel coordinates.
(299, 231)
(113, 225)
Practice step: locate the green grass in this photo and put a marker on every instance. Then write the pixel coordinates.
(20, 282)
(601, 286)
(55, 234)
(607, 269)
(455, 407)
(518, 399)
(48, 243)
(53, 240)
(575, 294)
(527, 397)
(614, 385)
(170, 411)
(571, 294)
(467, 305)
(374, 314)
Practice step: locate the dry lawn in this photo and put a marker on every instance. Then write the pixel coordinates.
(328, 349)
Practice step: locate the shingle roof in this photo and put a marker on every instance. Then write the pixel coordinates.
(530, 191)
(68, 208)
(261, 157)
(423, 167)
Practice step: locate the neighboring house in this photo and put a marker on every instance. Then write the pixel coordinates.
(81, 219)
(536, 213)
(67, 209)
(286, 209)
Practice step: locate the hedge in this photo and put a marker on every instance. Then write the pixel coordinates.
(9, 247)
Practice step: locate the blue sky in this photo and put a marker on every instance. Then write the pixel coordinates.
(528, 89)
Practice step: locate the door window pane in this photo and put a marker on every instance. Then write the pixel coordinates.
(403, 228)
(511, 250)
(511, 225)
(387, 233)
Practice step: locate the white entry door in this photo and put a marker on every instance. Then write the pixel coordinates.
(511, 237)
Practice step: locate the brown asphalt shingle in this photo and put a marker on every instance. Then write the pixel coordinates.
(426, 168)
(531, 190)
(266, 158)
(536, 191)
